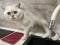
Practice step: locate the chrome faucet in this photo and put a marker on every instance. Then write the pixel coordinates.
(53, 17)
(51, 24)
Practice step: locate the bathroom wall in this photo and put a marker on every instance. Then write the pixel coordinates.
(47, 7)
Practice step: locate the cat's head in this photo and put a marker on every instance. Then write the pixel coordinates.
(13, 12)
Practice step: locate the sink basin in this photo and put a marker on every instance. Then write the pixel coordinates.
(36, 40)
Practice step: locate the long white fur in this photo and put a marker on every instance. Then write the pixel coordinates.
(28, 18)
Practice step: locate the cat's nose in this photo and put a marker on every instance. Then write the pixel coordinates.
(13, 16)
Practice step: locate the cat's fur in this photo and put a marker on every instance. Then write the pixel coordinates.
(27, 17)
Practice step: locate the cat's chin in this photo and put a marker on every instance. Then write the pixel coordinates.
(13, 19)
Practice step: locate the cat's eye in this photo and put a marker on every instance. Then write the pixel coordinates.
(15, 12)
(8, 13)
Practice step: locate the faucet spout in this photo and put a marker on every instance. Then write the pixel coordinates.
(53, 17)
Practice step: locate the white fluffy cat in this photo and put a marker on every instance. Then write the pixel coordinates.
(27, 17)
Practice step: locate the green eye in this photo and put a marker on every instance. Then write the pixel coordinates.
(8, 13)
(15, 12)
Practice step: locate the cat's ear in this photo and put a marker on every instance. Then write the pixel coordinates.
(18, 5)
(2, 7)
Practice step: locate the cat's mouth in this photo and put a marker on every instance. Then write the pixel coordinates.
(13, 18)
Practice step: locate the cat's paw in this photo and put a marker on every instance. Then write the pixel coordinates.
(59, 39)
(46, 35)
(24, 38)
(56, 37)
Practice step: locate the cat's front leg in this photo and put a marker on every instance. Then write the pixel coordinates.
(26, 31)
(26, 34)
